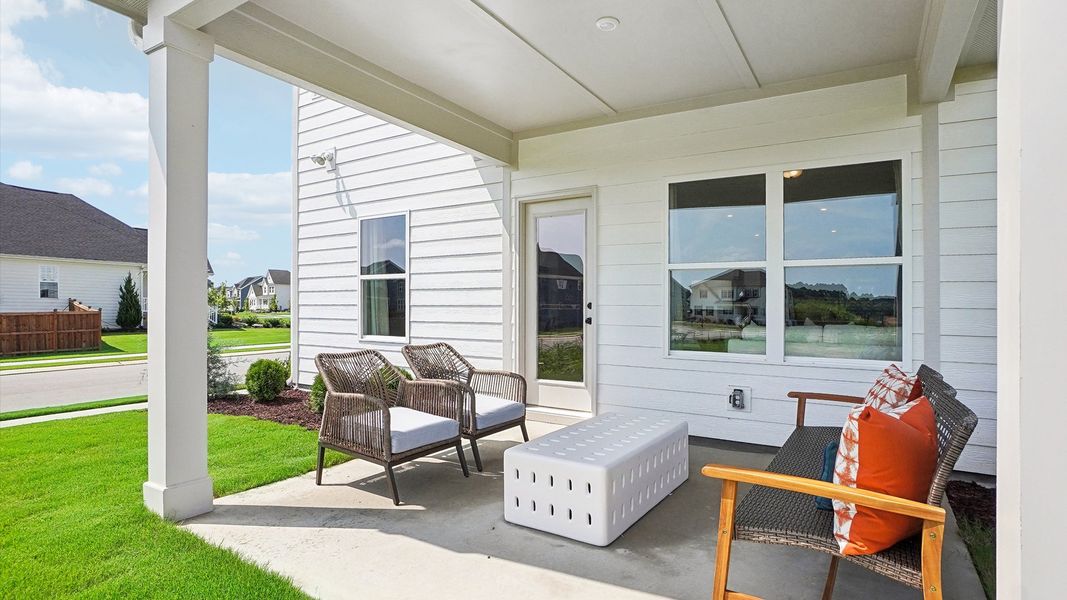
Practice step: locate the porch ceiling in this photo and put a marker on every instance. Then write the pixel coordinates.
(481, 73)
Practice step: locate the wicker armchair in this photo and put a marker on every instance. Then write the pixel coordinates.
(495, 400)
(780, 509)
(372, 411)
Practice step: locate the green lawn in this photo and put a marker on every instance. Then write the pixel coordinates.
(136, 342)
(981, 540)
(52, 410)
(73, 522)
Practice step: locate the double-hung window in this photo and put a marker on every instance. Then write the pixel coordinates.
(383, 277)
(49, 281)
(812, 266)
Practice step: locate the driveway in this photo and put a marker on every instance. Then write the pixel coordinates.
(70, 385)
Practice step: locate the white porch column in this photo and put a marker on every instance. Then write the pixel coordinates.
(1031, 293)
(178, 485)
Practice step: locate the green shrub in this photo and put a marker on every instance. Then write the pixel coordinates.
(266, 379)
(317, 396)
(250, 320)
(266, 323)
(272, 322)
(286, 323)
(220, 381)
(225, 320)
(129, 315)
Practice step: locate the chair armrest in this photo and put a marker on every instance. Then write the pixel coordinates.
(440, 397)
(356, 421)
(803, 397)
(815, 487)
(502, 384)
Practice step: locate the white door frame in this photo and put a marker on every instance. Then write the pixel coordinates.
(591, 282)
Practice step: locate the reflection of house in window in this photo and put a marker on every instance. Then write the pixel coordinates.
(559, 290)
(733, 296)
(383, 267)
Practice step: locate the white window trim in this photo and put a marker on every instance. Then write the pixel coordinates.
(41, 279)
(775, 265)
(387, 339)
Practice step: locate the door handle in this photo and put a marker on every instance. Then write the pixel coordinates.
(589, 320)
(589, 305)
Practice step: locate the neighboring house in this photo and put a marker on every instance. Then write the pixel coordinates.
(56, 246)
(274, 285)
(238, 292)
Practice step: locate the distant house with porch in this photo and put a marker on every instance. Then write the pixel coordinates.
(238, 292)
(275, 284)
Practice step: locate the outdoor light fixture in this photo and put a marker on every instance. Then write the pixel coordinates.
(325, 159)
(792, 174)
(607, 23)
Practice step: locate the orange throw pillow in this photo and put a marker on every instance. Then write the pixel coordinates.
(892, 451)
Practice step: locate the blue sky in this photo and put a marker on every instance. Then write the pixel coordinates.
(74, 118)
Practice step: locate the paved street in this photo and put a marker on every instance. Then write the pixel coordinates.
(55, 387)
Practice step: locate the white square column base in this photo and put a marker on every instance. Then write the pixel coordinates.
(593, 480)
(180, 501)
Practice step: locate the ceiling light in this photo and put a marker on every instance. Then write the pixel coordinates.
(607, 23)
(833, 231)
(824, 209)
(793, 174)
(729, 216)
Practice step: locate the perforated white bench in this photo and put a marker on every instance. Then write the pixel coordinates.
(593, 480)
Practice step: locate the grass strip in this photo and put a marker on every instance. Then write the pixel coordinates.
(55, 410)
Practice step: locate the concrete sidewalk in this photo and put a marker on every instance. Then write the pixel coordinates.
(345, 539)
(74, 414)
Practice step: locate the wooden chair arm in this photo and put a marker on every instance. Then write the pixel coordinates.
(815, 487)
(803, 397)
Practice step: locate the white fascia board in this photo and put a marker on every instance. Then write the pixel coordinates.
(946, 29)
(87, 261)
(194, 14)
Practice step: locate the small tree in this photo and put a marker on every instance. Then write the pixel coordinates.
(216, 296)
(273, 304)
(129, 316)
(220, 381)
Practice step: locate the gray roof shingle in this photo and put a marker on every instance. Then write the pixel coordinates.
(279, 276)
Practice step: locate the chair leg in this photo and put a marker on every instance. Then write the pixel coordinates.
(392, 484)
(933, 534)
(831, 578)
(477, 457)
(318, 467)
(462, 458)
(726, 536)
(525, 436)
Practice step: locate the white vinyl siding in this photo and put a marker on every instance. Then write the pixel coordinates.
(454, 228)
(968, 231)
(629, 163)
(93, 283)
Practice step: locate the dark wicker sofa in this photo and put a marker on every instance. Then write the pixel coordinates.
(780, 509)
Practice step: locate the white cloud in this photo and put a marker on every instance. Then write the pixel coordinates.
(140, 191)
(231, 233)
(70, 6)
(250, 199)
(230, 259)
(44, 117)
(84, 186)
(24, 170)
(108, 169)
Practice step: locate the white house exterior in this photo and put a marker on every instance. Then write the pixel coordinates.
(275, 284)
(587, 136)
(56, 246)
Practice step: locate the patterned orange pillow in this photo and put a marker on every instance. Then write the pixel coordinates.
(893, 388)
(892, 451)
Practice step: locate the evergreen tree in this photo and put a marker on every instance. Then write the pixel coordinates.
(273, 304)
(129, 316)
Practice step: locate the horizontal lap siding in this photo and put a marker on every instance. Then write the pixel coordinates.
(629, 162)
(968, 136)
(455, 230)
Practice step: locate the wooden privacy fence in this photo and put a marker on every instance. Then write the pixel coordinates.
(77, 328)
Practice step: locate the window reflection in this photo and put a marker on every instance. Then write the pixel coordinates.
(720, 310)
(844, 312)
(718, 220)
(560, 296)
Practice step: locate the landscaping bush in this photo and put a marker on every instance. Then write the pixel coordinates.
(220, 381)
(250, 320)
(225, 320)
(272, 322)
(266, 323)
(317, 396)
(129, 316)
(266, 379)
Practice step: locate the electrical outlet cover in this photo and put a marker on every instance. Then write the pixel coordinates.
(748, 398)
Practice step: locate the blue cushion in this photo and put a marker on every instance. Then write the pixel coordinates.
(829, 458)
(492, 411)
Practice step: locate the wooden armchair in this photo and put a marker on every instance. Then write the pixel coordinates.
(495, 400)
(372, 411)
(780, 508)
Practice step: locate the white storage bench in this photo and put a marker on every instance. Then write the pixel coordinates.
(593, 480)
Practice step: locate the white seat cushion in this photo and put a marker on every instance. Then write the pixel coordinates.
(413, 429)
(492, 411)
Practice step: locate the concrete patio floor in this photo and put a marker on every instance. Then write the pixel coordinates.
(345, 539)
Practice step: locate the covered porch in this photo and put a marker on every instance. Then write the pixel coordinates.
(510, 85)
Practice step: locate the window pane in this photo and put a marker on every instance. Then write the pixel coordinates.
(718, 220)
(843, 312)
(560, 296)
(843, 212)
(383, 245)
(719, 311)
(49, 290)
(383, 307)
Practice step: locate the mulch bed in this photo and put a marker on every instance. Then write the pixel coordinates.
(289, 408)
(972, 501)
